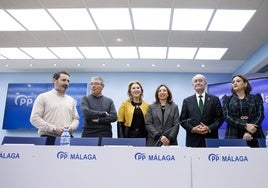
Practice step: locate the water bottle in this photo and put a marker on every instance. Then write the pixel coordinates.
(266, 140)
(65, 138)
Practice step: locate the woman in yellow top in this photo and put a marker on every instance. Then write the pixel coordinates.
(131, 113)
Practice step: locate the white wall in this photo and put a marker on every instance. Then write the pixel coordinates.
(115, 88)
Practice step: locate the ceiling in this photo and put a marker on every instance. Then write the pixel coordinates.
(241, 45)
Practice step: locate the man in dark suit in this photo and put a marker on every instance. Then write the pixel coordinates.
(201, 114)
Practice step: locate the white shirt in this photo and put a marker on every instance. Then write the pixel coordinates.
(203, 97)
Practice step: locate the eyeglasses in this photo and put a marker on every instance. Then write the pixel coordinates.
(95, 83)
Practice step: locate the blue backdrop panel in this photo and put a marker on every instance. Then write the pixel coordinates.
(258, 86)
(20, 99)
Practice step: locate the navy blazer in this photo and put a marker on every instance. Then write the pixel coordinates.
(191, 116)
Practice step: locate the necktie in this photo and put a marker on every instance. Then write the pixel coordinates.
(201, 104)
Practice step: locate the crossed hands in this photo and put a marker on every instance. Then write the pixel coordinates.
(97, 119)
(251, 128)
(201, 129)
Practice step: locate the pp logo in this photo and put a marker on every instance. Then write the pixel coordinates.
(62, 155)
(213, 157)
(140, 156)
(21, 100)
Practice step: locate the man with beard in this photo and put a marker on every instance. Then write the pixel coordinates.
(53, 111)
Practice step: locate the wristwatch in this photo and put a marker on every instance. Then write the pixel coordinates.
(54, 129)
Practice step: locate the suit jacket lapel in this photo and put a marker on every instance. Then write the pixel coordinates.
(167, 111)
(207, 102)
(159, 112)
(195, 104)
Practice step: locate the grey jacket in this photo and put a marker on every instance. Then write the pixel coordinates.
(157, 127)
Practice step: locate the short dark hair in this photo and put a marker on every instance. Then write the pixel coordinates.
(57, 74)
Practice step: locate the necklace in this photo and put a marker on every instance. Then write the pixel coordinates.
(137, 105)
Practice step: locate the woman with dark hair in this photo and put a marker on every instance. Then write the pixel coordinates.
(162, 119)
(243, 112)
(131, 113)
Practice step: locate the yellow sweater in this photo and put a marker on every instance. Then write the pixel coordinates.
(126, 111)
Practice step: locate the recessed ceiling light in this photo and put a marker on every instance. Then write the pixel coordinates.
(203, 65)
(39, 53)
(151, 18)
(67, 52)
(119, 40)
(2, 57)
(73, 19)
(13, 53)
(153, 52)
(34, 19)
(124, 52)
(230, 20)
(111, 18)
(210, 53)
(181, 53)
(7, 23)
(191, 19)
(95, 52)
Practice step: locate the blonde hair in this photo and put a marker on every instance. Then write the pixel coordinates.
(129, 89)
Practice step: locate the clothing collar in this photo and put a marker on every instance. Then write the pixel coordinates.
(96, 95)
(203, 95)
(56, 92)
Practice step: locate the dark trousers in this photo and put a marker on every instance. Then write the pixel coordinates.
(50, 139)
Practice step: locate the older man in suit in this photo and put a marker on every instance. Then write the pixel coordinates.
(201, 114)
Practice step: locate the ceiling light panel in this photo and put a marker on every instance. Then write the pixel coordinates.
(153, 52)
(210, 53)
(73, 19)
(39, 53)
(124, 52)
(95, 52)
(151, 18)
(67, 52)
(111, 19)
(230, 20)
(2, 57)
(181, 53)
(13, 53)
(191, 19)
(34, 19)
(7, 23)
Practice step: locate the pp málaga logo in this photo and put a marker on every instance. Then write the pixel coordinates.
(213, 157)
(62, 155)
(76, 156)
(154, 157)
